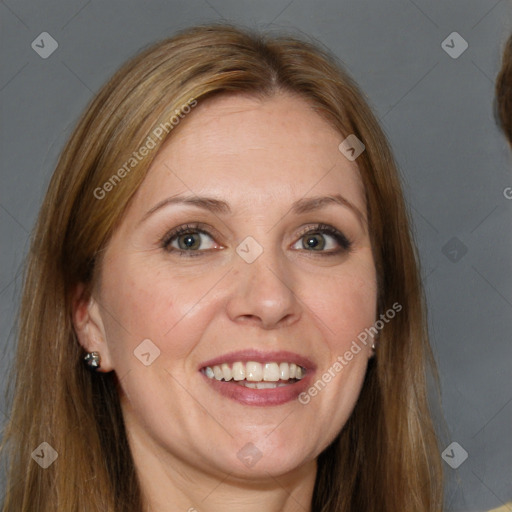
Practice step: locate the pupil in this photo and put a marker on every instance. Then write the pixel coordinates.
(313, 242)
(188, 241)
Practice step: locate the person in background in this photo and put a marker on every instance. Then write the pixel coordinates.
(504, 92)
(504, 116)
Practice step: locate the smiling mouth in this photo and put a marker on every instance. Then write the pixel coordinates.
(256, 375)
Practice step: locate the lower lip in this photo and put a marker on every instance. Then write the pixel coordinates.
(260, 397)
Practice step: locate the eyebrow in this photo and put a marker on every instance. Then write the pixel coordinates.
(301, 206)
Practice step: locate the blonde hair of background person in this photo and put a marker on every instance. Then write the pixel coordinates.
(386, 457)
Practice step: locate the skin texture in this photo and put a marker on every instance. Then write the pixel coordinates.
(259, 156)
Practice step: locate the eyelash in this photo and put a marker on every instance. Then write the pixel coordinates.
(315, 229)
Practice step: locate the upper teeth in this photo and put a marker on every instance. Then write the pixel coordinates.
(255, 372)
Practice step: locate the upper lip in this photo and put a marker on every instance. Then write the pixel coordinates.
(259, 356)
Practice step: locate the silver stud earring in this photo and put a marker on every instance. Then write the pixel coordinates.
(373, 346)
(93, 360)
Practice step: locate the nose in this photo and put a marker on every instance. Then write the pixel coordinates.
(264, 293)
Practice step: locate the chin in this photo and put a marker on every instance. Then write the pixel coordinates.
(259, 457)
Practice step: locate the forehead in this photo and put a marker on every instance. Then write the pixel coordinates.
(248, 150)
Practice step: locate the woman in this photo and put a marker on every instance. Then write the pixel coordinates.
(225, 241)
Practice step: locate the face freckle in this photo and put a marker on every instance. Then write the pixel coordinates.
(260, 157)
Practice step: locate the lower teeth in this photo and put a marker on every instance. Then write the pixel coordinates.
(263, 385)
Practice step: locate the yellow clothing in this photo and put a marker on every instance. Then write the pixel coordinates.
(504, 508)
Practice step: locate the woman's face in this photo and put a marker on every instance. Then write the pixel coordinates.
(265, 273)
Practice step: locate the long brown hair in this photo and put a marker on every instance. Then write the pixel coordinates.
(386, 457)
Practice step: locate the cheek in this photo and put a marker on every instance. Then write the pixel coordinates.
(146, 302)
(344, 303)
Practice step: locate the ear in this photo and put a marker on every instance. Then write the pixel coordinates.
(89, 327)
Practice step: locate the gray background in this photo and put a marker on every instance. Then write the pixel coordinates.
(436, 110)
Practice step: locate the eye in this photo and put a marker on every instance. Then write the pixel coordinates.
(194, 240)
(324, 239)
(189, 239)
